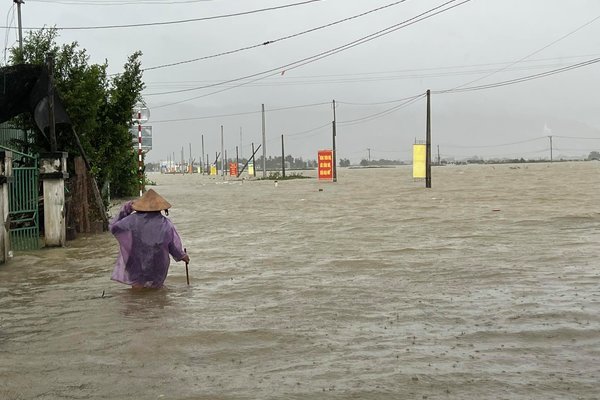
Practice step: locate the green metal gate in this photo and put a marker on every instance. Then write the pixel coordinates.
(23, 208)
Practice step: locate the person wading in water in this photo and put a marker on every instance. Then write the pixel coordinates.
(146, 238)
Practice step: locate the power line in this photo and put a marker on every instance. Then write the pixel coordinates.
(384, 112)
(268, 42)
(494, 145)
(411, 99)
(181, 21)
(282, 69)
(240, 113)
(577, 137)
(295, 81)
(522, 79)
(318, 128)
(369, 76)
(531, 54)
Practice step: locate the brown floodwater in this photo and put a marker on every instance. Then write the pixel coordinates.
(486, 286)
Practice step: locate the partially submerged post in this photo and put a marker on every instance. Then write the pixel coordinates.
(53, 172)
(334, 148)
(282, 158)
(428, 143)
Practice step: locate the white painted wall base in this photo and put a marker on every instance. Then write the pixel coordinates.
(54, 212)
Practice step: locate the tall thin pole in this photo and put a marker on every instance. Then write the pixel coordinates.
(439, 162)
(237, 158)
(202, 158)
(182, 161)
(191, 167)
(264, 143)
(253, 161)
(222, 153)
(282, 158)
(19, 2)
(51, 122)
(428, 143)
(241, 148)
(334, 149)
(550, 137)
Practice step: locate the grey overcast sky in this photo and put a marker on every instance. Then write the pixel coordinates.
(478, 42)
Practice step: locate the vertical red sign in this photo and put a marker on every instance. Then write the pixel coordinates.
(233, 168)
(325, 160)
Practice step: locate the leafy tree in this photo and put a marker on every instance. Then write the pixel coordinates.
(99, 108)
(344, 162)
(594, 155)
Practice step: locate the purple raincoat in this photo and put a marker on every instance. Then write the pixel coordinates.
(146, 239)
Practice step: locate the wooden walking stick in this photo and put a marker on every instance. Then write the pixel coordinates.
(187, 275)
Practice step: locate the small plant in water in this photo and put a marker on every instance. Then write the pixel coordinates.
(277, 176)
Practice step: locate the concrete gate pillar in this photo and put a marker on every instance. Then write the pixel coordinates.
(53, 172)
(5, 179)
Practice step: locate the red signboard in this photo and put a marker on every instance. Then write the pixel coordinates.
(325, 160)
(233, 168)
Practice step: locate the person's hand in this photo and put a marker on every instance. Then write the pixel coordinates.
(186, 259)
(128, 207)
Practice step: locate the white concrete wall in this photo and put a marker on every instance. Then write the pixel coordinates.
(54, 212)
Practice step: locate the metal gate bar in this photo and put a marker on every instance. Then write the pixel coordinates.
(23, 203)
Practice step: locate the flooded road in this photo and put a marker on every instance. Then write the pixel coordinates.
(486, 286)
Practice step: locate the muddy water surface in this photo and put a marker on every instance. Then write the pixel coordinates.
(486, 286)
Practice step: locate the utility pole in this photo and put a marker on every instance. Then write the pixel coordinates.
(52, 125)
(253, 161)
(369, 150)
(19, 2)
(191, 167)
(264, 143)
(282, 158)
(550, 137)
(439, 158)
(428, 143)
(202, 158)
(222, 153)
(182, 161)
(334, 149)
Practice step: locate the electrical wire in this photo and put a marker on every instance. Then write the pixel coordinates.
(240, 113)
(268, 42)
(318, 128)
(576, 137)
(9, 22)
(282, 69)
(359, 77)
(181, 21)
(531, 54)
(384, 112)
(521, 79)
(493, 145)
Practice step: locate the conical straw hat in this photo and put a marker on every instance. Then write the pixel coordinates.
(151, 201)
